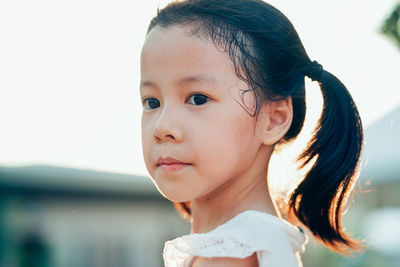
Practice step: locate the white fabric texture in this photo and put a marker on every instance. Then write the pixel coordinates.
(275, 241)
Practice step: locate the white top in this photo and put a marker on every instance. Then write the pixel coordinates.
(275, 241)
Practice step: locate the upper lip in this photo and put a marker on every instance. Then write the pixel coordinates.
(169, 160)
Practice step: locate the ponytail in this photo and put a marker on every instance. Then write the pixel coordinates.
(336, 147)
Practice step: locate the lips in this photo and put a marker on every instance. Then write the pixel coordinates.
(171, 164)
(169, 161)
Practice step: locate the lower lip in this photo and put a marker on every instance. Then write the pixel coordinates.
(173, 167)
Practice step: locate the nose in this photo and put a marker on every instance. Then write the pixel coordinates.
(167, 127)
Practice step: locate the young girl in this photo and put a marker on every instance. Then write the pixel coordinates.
(222, 83)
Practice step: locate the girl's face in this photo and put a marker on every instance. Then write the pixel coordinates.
(194, 113)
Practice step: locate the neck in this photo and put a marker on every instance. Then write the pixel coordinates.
(247, 192)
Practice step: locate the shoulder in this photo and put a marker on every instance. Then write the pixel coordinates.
(250, 261)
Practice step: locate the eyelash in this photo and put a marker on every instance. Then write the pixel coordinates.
(146, 100)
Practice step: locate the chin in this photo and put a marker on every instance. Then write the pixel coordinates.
(175, 195)
(173, 191)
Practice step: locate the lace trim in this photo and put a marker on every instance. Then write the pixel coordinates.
(219, 246)
(275, 241)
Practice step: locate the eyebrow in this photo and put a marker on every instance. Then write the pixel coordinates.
(197, 78)
(188, 79)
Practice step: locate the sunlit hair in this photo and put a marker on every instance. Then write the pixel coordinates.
(268, 55)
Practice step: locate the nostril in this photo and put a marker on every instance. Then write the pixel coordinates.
(157, 139)
(170, 136)
(166, 137)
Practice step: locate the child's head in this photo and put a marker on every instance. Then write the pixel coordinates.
(196, 110)
(239, 67)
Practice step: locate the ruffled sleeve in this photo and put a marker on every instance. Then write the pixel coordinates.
(275, 241)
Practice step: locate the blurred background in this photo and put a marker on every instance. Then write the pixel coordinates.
(74, 190)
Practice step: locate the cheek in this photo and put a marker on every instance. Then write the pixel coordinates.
(225, 141)
(146, 136)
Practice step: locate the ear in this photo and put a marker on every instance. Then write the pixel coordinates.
(274, 120)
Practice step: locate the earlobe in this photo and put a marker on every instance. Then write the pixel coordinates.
(274, 120)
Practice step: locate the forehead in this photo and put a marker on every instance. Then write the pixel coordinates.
(172, 51)
(175, 36)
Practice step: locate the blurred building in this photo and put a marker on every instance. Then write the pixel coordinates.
(381, 171)
(60, 217)
(382, 160)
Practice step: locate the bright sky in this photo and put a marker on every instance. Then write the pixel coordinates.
(69, 74)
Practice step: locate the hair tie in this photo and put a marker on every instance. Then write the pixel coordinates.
(314, 71)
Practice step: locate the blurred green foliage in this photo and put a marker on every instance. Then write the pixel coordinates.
(391, 26)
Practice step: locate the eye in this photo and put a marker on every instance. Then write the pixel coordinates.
(151, 103)
(198, 99)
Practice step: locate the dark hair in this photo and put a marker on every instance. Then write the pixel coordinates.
(268, 55)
